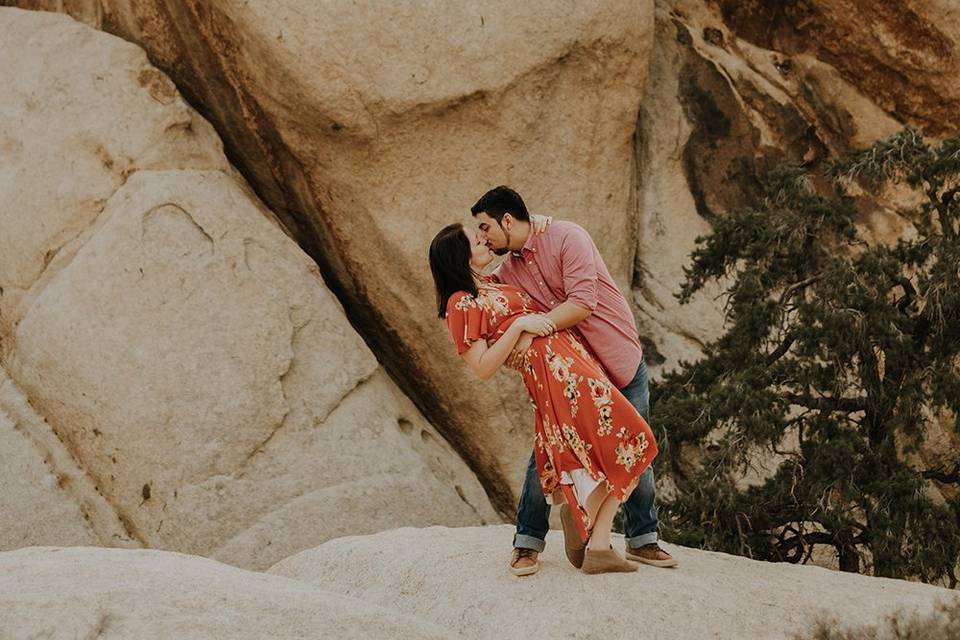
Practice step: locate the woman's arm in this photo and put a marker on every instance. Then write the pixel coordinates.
(485, 360)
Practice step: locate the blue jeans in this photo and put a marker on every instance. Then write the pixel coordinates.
(639, 511)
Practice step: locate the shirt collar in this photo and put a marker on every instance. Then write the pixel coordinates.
(527, 246)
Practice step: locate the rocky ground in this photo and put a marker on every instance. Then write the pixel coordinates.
(426, 583)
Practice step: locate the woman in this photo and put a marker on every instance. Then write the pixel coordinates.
(590, 444)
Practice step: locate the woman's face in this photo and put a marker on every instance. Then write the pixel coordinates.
(480, 253)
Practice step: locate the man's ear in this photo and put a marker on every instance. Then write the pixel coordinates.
(507, 221)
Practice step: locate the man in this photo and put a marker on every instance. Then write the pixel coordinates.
(562, 270)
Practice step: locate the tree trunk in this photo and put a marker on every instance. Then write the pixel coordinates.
(849, 558)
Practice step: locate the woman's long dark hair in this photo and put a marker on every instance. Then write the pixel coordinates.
(450, 264)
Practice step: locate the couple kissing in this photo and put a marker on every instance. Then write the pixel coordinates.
(552, 312)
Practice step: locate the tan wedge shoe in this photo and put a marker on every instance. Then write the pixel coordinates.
(606, 561)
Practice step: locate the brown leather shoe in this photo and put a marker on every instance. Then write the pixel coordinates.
(572, 545)
(652, 554)
(524, 562)
(606, 561)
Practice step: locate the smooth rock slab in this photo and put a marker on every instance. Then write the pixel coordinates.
(83, 592)
(458, 579)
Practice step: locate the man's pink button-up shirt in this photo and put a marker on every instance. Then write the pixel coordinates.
(563, 264)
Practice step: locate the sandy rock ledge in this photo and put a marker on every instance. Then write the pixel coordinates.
(457, 579)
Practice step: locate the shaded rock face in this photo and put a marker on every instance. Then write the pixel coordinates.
(736, 88)
(179, 375)
(365, 152)
(902, 55)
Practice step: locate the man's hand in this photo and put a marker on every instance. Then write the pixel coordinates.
(540, 223)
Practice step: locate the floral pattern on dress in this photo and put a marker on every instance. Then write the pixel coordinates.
(553, 435)
(580, 448)
(496, 303)
(560, 368)
(629, 455)
(465, 302)
(557, 371)
(578, 346)
(600, 394)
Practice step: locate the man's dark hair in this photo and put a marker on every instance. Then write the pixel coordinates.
(501, 200)
(450, 264)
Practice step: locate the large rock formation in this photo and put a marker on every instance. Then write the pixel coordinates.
(364, 127)
(38, 507)
(364, 151)
(189, 381)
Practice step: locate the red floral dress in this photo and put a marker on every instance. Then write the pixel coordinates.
(581, 420)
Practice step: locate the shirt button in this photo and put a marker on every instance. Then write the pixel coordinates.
(541, 282)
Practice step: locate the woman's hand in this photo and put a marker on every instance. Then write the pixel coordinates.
(536, 323)
(515, 359)
(539, 223)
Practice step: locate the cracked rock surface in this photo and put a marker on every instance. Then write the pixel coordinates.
(735, 88)
(182, 358)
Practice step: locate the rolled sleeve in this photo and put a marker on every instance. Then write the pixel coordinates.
(579, 269)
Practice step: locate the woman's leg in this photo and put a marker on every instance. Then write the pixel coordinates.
(600, 557)
(595, 501)
(602, 508)
(603, 522)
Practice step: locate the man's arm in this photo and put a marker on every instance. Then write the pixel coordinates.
(579, 281)
(567, 314)
(579, 270)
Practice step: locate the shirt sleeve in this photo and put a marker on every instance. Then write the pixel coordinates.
(579, 268)
(467, 321)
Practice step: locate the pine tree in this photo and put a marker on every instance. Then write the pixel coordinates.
(838, 359)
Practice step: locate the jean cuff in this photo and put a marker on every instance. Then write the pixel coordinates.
(521, 541)
(638, 541)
